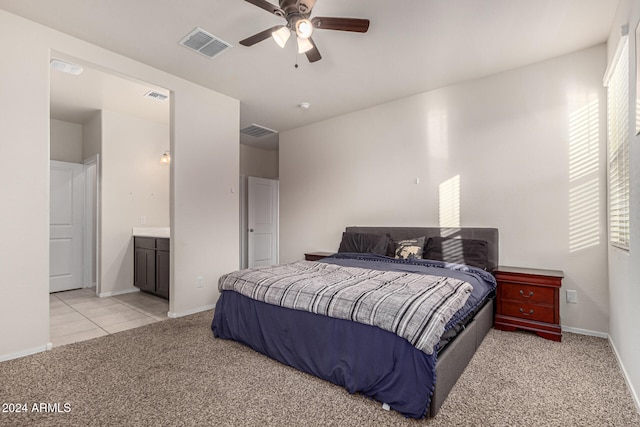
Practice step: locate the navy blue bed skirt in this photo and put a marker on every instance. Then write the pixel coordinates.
(361, 358)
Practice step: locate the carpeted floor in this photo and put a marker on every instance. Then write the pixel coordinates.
(174, 373)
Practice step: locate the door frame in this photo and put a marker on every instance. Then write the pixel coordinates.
(91, 227)
(242, 194)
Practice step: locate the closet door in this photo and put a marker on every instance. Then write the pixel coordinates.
(262, 221)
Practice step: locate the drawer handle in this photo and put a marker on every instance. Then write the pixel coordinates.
(526, 314)
(526, 296)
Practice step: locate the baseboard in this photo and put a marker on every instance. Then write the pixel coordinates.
(114, 293)
(192, 311)
(634, 395)
(584, 332)
(27, 352)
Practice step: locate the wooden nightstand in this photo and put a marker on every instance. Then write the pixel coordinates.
(315, 256)
(529, 299)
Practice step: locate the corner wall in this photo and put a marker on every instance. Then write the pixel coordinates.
(624, 266)
(527, 147)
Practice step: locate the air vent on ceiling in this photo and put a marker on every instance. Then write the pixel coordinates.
(257, 131)
(204, 43)
(156, 95)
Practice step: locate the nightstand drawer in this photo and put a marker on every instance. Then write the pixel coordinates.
(525, 293)
(523, 310)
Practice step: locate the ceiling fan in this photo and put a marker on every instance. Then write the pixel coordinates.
(297, 13)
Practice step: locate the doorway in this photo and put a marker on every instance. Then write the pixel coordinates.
(104, 125)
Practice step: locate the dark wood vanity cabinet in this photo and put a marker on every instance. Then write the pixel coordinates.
(151, 265)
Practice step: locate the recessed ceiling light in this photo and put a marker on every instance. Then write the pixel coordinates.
(304, 105)
(66, 67)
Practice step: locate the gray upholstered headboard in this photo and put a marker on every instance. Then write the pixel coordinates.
(490, 235)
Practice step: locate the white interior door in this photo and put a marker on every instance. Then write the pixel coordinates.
(65, 225)
(262, 221)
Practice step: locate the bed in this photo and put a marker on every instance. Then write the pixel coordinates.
(369, 351)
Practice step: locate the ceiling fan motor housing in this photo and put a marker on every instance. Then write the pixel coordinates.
(293, 6)
(303, 8)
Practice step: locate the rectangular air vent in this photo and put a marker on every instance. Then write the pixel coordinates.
(204, 43)
(257, 131)
(156, 95)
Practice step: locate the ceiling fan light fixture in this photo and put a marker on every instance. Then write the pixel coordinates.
(304, 45)
(281, 36)
(304, 28)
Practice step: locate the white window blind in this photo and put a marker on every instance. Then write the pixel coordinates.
(618, 147)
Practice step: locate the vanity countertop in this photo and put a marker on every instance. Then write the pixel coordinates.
(163, 232)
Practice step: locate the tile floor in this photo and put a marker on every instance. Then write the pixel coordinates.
(80, 315)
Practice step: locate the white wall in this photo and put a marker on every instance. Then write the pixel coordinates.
(513, 139)
(204, 171)
(92, 136)
(66, 141)
(258, 162)
(205, 204)
(134, 184)
(624, 266)
(24, 163)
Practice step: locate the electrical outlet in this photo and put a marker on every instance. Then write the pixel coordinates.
(143, 220)
(572, 297)
(199, 282)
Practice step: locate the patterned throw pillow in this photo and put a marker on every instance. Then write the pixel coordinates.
(410, 248)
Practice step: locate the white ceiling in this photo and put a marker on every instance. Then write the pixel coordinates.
(412, 46)
(76, 98)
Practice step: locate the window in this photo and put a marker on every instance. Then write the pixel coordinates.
(617, 82)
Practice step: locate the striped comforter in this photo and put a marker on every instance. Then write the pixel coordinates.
(413, 306)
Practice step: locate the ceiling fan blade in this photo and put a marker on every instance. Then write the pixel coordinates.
(269, 7)
(342, 24)
(262, 35)
(305, 6)
(313, 55)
